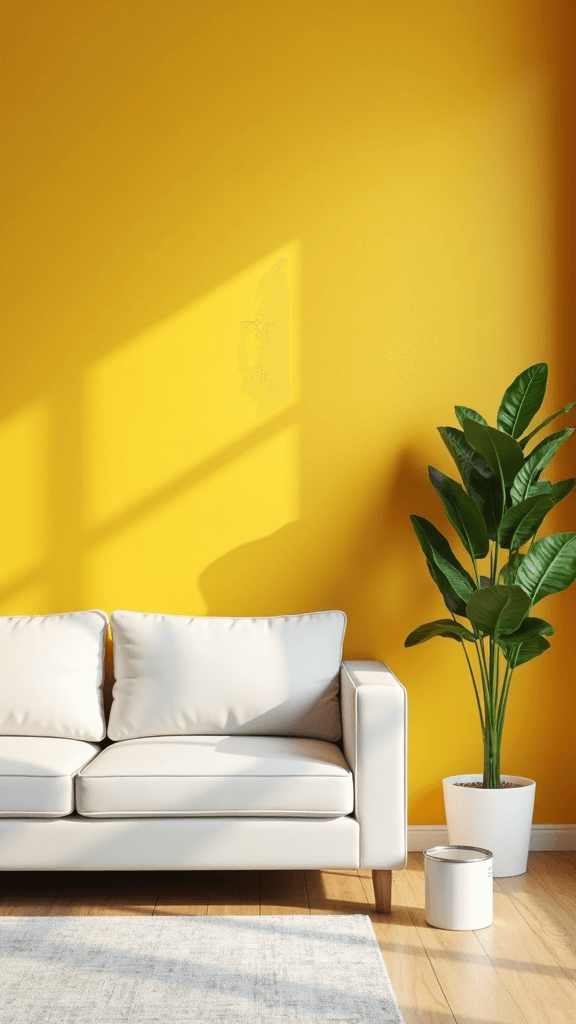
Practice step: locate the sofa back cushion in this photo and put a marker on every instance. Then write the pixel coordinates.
(275, 676)
(51, 673)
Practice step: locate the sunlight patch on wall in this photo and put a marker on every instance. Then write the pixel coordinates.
(192, 385)
(264, 350)
(154, 563)
(23, 458)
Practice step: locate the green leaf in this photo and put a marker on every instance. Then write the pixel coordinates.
(508, 571)
(502, 453)
(562, 489)
(525, 652)
(461, 451)
(440, 627)
(540, 489)
(453, 603)
(462, 512)
(522, 399)
(463, 413)
(438, 552)
(525, 643)
(536, 462)
(528, 629)
(561, 412)
(498, 609)
(480, 482)
(549, 566)
(558, 491)
(522, 521)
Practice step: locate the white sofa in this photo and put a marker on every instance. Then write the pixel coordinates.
(232, 743)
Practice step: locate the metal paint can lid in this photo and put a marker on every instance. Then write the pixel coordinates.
(457, 854)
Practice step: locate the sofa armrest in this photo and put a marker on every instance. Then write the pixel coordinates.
(374, 733)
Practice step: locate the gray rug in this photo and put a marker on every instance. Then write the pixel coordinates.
(214, 970)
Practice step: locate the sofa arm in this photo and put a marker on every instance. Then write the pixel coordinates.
(374, 733)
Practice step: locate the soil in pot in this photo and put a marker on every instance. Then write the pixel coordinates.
(479, 785)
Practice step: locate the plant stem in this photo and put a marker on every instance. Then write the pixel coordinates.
(491, 778)
(503, 702)
(505, 690)
(483, 652)
(471, 670)
(484, 677)
(495, 566)
(505, 686)
(496, 743)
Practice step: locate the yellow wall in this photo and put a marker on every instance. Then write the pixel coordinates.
(256, 252)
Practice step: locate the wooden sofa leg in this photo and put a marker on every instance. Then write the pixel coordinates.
(383, 890)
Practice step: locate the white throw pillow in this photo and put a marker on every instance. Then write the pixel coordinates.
(51, 673)
(276, 676)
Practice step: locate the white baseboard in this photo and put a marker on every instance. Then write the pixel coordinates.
(543, 837)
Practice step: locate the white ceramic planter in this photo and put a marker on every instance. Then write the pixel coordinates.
(499, 820)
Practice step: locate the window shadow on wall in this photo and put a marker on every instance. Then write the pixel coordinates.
(379, 580)
(260, 363)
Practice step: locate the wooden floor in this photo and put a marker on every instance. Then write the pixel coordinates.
(522, 970)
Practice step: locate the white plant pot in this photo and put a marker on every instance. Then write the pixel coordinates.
(498, 820)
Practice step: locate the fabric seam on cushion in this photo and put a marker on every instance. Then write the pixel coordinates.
(214, 814)
(22, 776)
(123, 775)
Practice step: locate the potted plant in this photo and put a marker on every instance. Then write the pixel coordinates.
(497, 510)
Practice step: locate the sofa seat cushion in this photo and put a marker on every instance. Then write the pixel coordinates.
(37, 775)
(216, 775)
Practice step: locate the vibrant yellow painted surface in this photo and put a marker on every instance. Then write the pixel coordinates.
(256, 252)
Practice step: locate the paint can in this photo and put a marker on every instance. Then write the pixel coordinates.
(459, 887)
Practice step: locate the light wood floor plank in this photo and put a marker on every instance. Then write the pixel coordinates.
(556, 873)
(531, 974)
(79, 893)
(567, 857)
(109, 893)
(185, 892)
(13, 886)
(551, 921)
(467, 976)
(283, 892)
(43, 894)
(234, 892)
(336, 892)
(415, 984)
